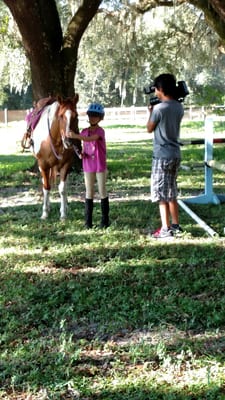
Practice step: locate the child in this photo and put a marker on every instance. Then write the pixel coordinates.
(94, 164)
(165, 119)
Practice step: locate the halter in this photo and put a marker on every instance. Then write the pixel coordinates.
(63, 135)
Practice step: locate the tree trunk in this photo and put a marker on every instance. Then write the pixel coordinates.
(53, 59)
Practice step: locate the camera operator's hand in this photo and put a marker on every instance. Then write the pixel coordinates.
(150, 125)
(150, 108)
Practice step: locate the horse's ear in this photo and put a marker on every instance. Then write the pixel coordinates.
(59, 99)
(76, 98)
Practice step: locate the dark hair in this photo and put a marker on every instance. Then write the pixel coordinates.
(94, 114)
(166, 82)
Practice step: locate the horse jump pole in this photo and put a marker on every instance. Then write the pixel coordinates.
(195, 217)
(217, 165)
(202, 141)
(209, 196)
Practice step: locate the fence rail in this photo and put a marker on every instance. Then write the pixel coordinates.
(124, 114)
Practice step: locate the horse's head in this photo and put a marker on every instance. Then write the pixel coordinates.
(67, 114)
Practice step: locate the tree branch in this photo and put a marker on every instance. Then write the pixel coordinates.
(80, 21)
(146, 5)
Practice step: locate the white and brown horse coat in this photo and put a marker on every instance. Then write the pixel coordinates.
(48, 138)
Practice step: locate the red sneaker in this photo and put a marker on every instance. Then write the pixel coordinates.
(155, 233)
(162, 233)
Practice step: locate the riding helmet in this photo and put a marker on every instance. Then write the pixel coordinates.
(96, 110)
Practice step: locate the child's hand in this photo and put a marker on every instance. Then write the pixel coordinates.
(72, 135)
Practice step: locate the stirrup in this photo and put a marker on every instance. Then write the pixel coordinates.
(27, 140)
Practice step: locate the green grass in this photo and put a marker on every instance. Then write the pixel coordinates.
(110, 315)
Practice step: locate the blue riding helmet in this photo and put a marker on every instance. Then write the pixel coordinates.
(96, 110)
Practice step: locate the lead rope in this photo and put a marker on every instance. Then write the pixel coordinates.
(77, 151)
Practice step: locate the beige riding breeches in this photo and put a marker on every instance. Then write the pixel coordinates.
(89, 180)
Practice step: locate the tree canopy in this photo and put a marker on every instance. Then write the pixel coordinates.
(52, 55)
(214, 10)
(112, 53)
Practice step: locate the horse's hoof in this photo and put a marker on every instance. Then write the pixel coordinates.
(44, 216)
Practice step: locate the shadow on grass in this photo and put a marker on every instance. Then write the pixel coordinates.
(77, 303)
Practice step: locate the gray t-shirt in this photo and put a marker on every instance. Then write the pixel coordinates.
(167, 116)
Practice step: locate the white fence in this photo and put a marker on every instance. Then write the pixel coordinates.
(117, 115)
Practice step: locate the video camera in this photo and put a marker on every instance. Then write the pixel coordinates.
(181, 92)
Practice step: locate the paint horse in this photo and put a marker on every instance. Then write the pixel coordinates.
(52, 149)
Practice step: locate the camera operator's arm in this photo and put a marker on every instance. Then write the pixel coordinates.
(150, 125)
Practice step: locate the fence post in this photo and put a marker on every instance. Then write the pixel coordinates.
(6, 116)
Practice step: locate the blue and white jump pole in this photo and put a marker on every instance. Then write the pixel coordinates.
(209, 196)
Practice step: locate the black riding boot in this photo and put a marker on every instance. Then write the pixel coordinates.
(105, 213)
(88, 213)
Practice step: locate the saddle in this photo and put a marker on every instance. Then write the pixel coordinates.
(32, 120)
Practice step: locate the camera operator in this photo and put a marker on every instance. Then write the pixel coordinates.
(165, 119)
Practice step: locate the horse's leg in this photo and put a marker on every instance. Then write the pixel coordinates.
(63, 199)
(63, 189)
(46, 192)
(46, 204)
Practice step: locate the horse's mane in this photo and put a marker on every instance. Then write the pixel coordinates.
(69, 102)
